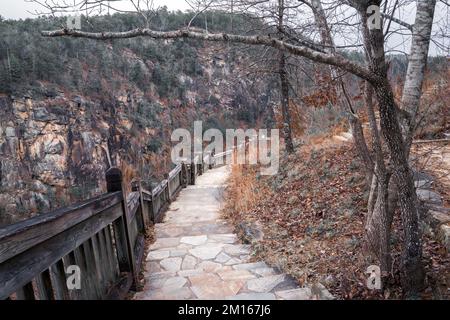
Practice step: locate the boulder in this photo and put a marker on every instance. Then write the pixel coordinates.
(41, 114)
(423, 184)
(250, 231)
(429, 196)
(436, 218)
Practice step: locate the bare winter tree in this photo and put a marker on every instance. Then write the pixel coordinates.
(275, 16)
(356, 24)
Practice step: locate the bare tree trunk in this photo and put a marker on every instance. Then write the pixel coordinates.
(284, 86)
(354, 121)
(378, 222)
(361, 146)
(284, 93)
(372, 195)
(379, 218)
(413, 276)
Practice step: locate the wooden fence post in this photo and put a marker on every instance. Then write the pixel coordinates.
(200, 166)
(168, 193)
(151, 206)
(125, 250)
(184, 176)
(137, 187)
(192, 167)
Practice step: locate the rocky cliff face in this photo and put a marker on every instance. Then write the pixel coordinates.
(55, 151)
(55, 147)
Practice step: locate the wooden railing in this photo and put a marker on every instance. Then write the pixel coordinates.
(103, 237)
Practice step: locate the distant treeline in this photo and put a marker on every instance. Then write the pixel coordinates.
(81, 64)
(84, 65)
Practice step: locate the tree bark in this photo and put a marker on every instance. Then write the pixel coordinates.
(361, 146)
(379, 218)
(284, 86)
(378, 224)
(412, 272)
(284, 94)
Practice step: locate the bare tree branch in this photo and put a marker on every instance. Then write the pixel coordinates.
(330, 59)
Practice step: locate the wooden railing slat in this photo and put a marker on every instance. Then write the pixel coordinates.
(132, 204)
(69, 260)
(21, 268)
(58, 278)
(139, 251)
(98, 262)
(26, 292)
(86, 286)
(112, 259)
(93, 274)
(107, 270)
(121, 245)
(44, 286)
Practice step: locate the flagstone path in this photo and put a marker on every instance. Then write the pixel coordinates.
(196, 255)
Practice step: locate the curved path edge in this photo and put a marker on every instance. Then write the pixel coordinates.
(196, 255)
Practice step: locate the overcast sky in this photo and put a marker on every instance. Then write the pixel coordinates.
(16, 9)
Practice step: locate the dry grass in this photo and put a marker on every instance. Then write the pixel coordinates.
(129, 172)
(245, 193)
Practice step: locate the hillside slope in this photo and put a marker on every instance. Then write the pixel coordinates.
(70, 108)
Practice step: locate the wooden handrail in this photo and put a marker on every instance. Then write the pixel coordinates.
(159, 188)
(22, 268)
(104, 236)
(20, 236)
(175, 171)
(133, 203)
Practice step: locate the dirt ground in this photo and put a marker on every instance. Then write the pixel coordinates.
(312, 216)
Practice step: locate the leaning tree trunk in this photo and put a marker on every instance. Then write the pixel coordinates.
(412, 272)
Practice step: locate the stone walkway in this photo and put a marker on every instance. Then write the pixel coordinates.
(196, 255)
